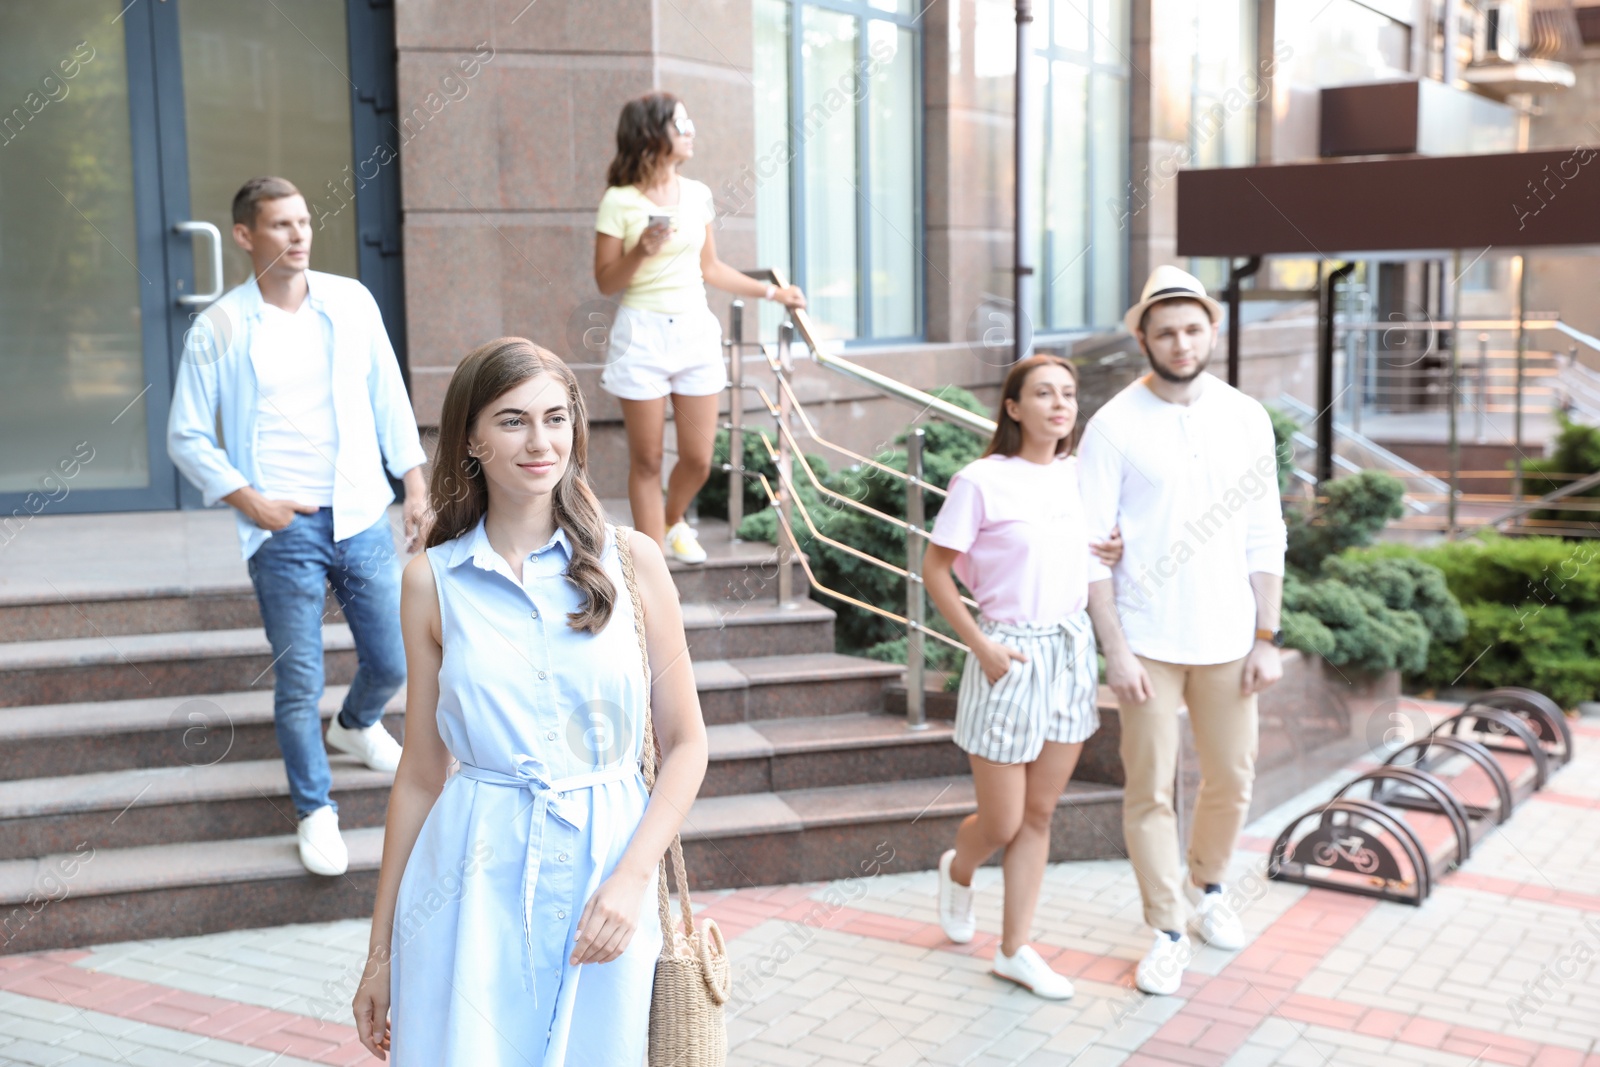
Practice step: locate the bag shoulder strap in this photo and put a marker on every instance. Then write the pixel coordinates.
(679, 871)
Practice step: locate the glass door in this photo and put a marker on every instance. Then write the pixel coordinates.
(83, 360)
(125, 130)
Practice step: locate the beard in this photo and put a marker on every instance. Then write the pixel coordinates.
(1201, 362)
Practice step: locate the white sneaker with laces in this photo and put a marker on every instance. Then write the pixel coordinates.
(371, 745)
(1214, 922)
(683, 545)
(957, 916)
(1161, 971)
(322, 850)
(1029, 970)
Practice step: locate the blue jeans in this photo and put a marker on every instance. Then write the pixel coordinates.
(292, 572)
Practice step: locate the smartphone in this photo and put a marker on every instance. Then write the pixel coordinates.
(661, 220)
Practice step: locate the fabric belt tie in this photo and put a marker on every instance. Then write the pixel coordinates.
(1072, 626)
(550, 796)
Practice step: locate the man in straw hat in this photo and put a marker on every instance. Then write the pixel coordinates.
(1185, 464)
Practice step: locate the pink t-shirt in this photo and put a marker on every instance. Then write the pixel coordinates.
(1019, 528)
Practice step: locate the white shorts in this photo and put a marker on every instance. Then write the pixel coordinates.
(1051, 697)
(654, 354)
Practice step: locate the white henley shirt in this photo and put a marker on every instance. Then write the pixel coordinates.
(1194, 488)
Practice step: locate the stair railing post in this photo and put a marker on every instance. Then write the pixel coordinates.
(916, 713)
(735, 346)
(1483, 385)
(785, 469)
(1521, 266)
(1452, 292)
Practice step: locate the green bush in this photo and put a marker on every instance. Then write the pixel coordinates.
(1370, 614)
(1283, 431)
(1577, 451)
(1356, 510)
(1376, 615)
(1532, 607)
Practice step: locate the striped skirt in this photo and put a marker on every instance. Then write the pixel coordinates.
(1051, 697)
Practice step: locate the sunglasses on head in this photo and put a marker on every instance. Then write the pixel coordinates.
(684, 126)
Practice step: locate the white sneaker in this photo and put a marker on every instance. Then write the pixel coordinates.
(1032, 973)
(683, 545)
(957, 916)
(321, 848)
(1214, 922)
(372, 745)
(1161, 970)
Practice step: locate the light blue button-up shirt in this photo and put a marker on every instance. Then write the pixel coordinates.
(218, 384)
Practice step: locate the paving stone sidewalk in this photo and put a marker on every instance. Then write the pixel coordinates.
(1499, 967)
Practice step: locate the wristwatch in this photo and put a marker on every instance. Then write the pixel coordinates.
(1273, 636)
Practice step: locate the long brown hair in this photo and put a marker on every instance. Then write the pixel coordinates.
(459, 494)
(642, 140)
(1007, 439)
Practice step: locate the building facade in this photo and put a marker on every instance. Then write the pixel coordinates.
(454, 153)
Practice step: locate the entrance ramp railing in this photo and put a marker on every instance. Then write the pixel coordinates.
(784, 406)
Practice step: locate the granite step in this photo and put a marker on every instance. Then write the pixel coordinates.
(234, 798)
(126, 666)
(164, 805)
(786, 754)
(735, 572)
(153, 733)
(797, 685)
(198, 729)
(848, 831)
(89, 895)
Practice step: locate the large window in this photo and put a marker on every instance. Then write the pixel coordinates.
(1080, 88)
(838, 147)
(1226, 84)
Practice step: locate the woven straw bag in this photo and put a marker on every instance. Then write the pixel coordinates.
(693, 975)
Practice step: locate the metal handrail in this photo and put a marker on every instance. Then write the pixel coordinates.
(805, 513)
(811, 431)
(786, 448)
(912, 529)
(821, 355)
(783, 520)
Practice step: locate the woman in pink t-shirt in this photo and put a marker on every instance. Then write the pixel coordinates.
(1012, 528)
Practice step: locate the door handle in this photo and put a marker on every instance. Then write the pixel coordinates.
(194, 226)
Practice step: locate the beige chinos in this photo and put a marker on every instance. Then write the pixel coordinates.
(1224, 726)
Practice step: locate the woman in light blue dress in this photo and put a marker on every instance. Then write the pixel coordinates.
(515, 921)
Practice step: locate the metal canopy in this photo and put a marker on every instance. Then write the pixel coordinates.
(1332, 209)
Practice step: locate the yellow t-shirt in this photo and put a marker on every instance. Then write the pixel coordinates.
(669, 281)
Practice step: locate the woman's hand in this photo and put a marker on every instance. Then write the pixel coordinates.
(371, 1004)
(654, 237)
(995, 658)
(790, 296)
(1108, 551)
(609, 919)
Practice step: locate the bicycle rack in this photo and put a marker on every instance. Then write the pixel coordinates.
(1435, 751)
(1544, 718)
(1460, 781)
(1341, 854)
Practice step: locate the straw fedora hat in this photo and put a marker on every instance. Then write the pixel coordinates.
(1169, 283)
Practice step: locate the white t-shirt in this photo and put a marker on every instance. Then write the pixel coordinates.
(296, 436)
(1195, 489)
(668, 282)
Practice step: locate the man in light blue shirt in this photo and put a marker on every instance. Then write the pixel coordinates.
(296, 369)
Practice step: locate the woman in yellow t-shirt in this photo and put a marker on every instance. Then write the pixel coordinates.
(654, 245)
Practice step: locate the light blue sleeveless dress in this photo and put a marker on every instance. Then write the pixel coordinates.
(547, 724)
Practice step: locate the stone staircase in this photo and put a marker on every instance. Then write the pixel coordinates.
(141, 794)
